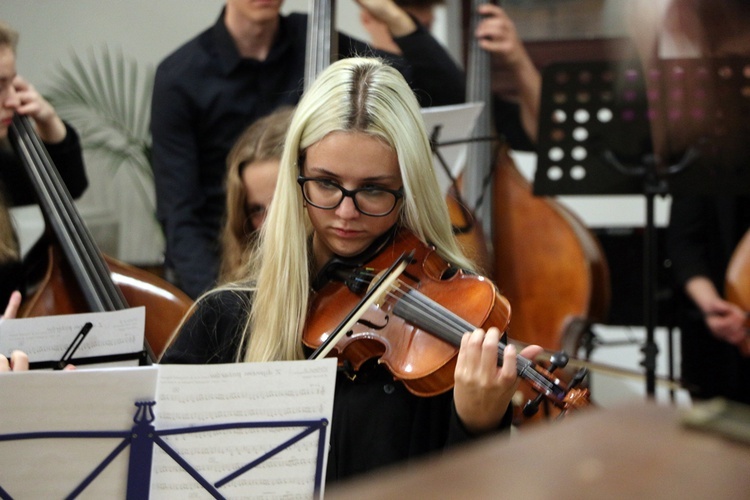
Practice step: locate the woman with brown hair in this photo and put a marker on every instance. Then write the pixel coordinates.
(252, 168)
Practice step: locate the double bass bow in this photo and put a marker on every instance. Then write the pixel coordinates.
(77, 277)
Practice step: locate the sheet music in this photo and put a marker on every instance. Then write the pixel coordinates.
(249, 392)
(46, 338)
(81, 400)
(456, 123)
(279, 399)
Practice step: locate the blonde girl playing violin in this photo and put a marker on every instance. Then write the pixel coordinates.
(356, 163)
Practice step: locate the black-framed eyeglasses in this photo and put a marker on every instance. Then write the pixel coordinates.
(326, 194)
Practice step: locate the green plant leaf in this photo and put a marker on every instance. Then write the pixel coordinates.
(107, 99)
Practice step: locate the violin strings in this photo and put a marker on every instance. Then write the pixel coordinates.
(413, 305)
(427, 310)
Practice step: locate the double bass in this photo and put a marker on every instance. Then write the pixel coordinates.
(545, 261)
(737, 285)
(76, 277)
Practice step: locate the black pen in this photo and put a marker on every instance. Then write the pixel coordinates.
(73, 347)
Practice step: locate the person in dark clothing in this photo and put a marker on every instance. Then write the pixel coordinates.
(702, 235)
(703, 231)
(516, 118)
(210, 89)
(61, 141)
(356, 170)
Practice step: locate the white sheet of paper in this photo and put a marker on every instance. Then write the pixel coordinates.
(456, 123)
(81, 400)
(186, 396)
(46, 338)
(244, 392)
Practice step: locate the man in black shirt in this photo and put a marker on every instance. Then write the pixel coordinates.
(245, 66)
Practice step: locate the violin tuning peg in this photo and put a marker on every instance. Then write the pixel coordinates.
(558, 360)
(532, 406)
(579, 377)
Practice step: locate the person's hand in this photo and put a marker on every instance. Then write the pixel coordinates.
(18, 362)
(484, 390)
(29, 102)
(11, 310)
(726, 321)
(386, 11)
(497, 34)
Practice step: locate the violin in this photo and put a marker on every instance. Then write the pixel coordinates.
(416, 329)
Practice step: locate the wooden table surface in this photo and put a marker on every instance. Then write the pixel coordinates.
(637, 451)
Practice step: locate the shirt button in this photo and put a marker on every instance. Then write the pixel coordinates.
(389, 388)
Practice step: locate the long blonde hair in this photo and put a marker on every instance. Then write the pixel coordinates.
(357, 94)
(261, 141)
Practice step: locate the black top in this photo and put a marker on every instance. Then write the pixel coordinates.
(376, 421)
(67, 157)
(205, 94)
(18, 190)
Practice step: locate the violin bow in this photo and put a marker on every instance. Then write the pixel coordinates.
(374, 294)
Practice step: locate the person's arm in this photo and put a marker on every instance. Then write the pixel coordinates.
(725, 320)
(688, 249)
(430, 70)
(192, 248)
(68, 158)
(497, 34)
(30, 103)
(60, 139)
(399, 23)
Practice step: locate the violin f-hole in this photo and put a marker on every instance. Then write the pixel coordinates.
(372, 325)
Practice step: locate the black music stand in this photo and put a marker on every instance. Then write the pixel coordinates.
(595, 138)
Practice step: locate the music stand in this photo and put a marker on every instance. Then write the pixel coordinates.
(596, 137)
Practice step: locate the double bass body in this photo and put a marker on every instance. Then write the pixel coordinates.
(57, 292)
(547, 263)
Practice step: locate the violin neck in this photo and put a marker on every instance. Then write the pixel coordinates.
(423, 312)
